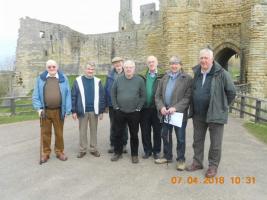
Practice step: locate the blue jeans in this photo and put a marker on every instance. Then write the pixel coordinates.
(166, 135)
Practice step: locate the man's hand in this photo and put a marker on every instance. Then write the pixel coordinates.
(164, 111)
(171, 110)
(74, 116)
(40, 112)
(101, 116)
(106, 110)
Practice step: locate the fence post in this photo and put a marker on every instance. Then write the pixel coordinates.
(12, 106)
(242, 107)
(258, 112)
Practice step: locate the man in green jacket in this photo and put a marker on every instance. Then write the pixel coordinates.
(213, 92)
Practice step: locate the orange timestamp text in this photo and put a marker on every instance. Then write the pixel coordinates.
(218, 180)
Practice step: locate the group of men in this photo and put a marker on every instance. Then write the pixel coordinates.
(148, 100)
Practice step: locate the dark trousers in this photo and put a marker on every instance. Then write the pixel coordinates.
(216, 136)
(149, 118)
(121, 120)
(112, 129)
(167, 141)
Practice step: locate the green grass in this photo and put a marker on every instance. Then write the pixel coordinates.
(19, 118)
(235, 72)
(258, 130)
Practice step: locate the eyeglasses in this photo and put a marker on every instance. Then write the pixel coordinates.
(51, 67)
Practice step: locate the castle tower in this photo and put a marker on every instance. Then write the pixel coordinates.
(126, 22)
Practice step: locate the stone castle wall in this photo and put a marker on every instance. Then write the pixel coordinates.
(179, 27)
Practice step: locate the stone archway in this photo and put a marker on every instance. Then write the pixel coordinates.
(223, 53)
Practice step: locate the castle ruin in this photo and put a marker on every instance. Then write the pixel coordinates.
(179, 27)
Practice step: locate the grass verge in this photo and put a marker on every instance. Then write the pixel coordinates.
(18, 118)
(258, 130)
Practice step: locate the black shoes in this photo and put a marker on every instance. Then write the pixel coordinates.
(135, 159)
(146, 155)
(116, 157)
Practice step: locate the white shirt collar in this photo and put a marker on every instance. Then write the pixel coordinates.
(48, 75)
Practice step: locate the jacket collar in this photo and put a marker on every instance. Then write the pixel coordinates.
(217, 68)
(61, 77)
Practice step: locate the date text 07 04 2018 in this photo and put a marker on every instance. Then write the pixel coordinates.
(191, 180)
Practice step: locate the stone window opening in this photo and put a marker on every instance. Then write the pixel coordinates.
(42, 34)
(45, 53)
(122, 28)
(51, 37)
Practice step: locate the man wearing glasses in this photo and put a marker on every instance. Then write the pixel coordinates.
(52, 99)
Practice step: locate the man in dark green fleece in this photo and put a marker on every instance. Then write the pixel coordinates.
(213, 92)
(128, 97)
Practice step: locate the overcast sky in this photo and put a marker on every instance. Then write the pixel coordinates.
(85, 16)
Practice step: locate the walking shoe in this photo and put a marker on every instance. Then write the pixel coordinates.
(156, 156)
(95, 153)
(162, 161)
(81, 154)
(62, 157)
(146, 155)
(180, 166)
(135, 159)
(124, 150)
(111, 150)
(211, 172)
(193, 167)
(116, 157)
(44, 159)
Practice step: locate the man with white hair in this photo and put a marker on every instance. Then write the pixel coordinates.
(213, 92)
(149, 114)
(52, 99)
(128, 98)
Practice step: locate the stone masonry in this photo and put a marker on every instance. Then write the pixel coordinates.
(179, 27)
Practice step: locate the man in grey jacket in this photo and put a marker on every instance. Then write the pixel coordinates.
(213, 91)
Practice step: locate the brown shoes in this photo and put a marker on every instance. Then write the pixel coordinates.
(62, 157)
(193, 167)
(95, 153)
(44, 159)
(211, 172)
(81, 154)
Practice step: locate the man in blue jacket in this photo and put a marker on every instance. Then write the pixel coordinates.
(117, 70)
(52, 99)
(88, 104)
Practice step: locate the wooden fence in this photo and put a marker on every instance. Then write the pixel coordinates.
(251, 106)
(12, 104)
(244, 105)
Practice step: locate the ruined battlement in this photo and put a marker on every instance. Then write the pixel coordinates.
(179, 27)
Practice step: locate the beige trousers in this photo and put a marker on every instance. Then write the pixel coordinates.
(83, 126)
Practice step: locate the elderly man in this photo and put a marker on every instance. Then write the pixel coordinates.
(88, 103)
(52, 99)
(117, 70)
(128, 98)
(149, 114)
(173, 95)
(213, 92)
